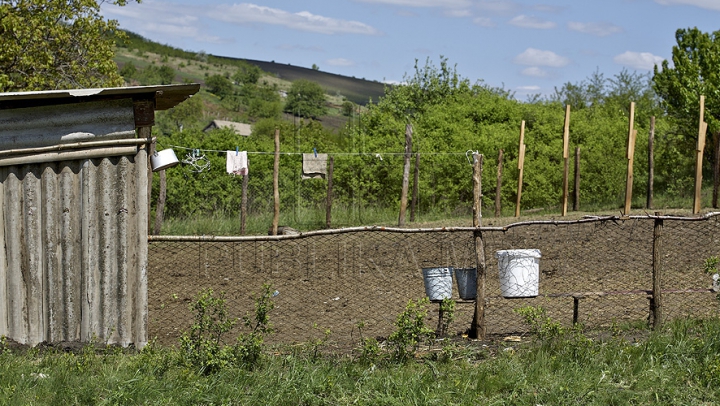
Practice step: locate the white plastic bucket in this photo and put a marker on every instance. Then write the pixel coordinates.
(438, 282)
(519, 272)
(466, 279)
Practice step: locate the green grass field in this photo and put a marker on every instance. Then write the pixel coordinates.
(678, 365)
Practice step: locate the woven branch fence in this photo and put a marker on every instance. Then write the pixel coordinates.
(596, 271)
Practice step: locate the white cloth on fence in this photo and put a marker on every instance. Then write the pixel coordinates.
(314, 166)
(237, 162)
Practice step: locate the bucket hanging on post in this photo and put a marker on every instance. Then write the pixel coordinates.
(519, 272)
(466, 279)
(438, 282)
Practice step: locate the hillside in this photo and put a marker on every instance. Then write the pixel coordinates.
(135, 47)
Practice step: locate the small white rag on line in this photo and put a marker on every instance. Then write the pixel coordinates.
(237, 163)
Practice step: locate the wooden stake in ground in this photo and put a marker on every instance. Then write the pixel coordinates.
(276, 183)
(160, 209)
(632, 133)
(576, 188)
(478, 325)
(656, 307)
(651, 163)
(716, 169)
(521, 165)
(328, 208)
(498, 185)
(566, 158)
(406, 175)
(244, 201)
(697, 201)
(416, 188)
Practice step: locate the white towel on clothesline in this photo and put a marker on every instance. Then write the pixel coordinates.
(314, 166)
(237, 163)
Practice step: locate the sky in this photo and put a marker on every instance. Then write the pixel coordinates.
(526, 47)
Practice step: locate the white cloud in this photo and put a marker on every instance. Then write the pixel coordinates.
(706, 4)
(246, 13)
(499, 7)
(458, 12)
(532, 22)
(483, 22)
(638, 60)
(598, 29)
(534, 71)
(537, 57)
(340, 62)
(532, 88)
(423, 3)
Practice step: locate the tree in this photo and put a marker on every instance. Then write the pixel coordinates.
(305, 99)
(56, 44)
(219, 85)
(696, 58)
(247, 74)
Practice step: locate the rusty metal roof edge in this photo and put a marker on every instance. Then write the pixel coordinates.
(160, 93)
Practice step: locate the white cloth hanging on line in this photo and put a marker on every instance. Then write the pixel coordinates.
(237, 163)
(314, 166)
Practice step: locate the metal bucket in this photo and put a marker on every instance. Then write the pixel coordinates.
(163, 159)
(519, 272)
(438, 282)
(466, 279)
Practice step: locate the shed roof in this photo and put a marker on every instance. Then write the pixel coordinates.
(239, 128)
(165, 96)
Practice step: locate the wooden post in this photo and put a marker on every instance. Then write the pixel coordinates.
(651, 164)
(630, 158)
(244, 203)
(406, 175)
(521, 165)
(716, 169)
(697, 201)
(498, 185)
(160, 208)
(576, 188)
(656, 303)
(328, 208)
(478, 325)
(276, 183)
(566, 158)
(576, 309)
(146, 132)
(416, 188)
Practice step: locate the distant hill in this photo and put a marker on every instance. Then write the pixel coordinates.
(358, 91)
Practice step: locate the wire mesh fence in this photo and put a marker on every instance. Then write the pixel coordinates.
(354, 282)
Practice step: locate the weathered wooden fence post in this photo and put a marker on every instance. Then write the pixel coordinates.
(566, 158)
(244, 201)
(697, 202)
(478, 326)
(576, 188)
(651, 163)
(416, 188)
(328, 208)
(632, 133)
(276, 183)
(160, 208)
(406, 175)
(656, 303)
(498, 185)
(521, 166)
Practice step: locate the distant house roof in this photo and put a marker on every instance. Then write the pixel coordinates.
(239, 128)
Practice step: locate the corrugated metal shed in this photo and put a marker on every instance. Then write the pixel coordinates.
(74, 212)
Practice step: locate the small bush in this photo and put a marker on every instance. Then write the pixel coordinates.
(410, 331)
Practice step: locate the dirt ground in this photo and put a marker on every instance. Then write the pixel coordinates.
(355, 284)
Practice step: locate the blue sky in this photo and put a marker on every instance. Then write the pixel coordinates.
(527, 47)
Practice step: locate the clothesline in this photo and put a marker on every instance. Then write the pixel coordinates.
(329, 153)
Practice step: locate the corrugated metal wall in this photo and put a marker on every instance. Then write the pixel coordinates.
(75, 255)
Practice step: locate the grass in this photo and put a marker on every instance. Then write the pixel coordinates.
(678, 365)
